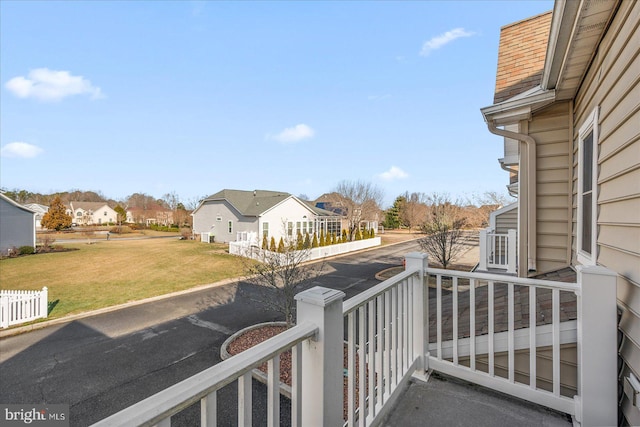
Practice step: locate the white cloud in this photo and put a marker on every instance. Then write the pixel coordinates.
(393, 174)
(438, 41)
(51, 85)
(20, 150)
(293, 134)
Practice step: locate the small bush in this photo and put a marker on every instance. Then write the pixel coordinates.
(26, 250)
(120, 229)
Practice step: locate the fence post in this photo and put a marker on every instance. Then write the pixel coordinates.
(322, 358)
(419, 261)
(483, 250)
(597, 347)
(44, 302)
(4, 311)
(511, 251)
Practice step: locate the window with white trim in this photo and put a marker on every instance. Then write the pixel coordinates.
(587, 196)
(265, 229)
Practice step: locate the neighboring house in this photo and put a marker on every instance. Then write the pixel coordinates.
(567, 102)
(91, 213)
(17, 225)
(233, 215)
(40, 210)
(152, 214)
(336, 203)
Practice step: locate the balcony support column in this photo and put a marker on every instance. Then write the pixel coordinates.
(484, 250)
(419, 261)
(322, 357)
(596, 402)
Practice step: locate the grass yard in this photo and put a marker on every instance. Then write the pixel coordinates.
(107, 273)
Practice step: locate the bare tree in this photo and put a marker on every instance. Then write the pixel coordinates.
(279, 276)
(360, 201)
(414, 210)
(445, 238)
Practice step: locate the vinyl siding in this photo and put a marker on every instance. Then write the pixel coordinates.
(613, 83)
(507, 221)
(206, 220)
(551, 130)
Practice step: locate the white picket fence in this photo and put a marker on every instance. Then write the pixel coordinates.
(22, 306)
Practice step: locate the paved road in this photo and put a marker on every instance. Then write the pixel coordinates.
(102, 364)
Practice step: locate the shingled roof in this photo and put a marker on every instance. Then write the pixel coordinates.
(521, 56)
(256, 202)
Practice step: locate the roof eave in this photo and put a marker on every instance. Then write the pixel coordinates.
(520, 107)
(563, 21)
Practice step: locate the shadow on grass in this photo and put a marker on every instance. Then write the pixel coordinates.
(51, 306)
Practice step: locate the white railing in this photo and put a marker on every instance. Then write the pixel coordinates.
(475, 317)
(22, 306)
(407, 325)
(202, 387)
(498, 250)
(385, 343)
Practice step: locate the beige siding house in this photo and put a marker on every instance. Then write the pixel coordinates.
(575, 111)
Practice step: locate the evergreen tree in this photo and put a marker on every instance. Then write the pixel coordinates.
(345, 238)
(314, 243)
(272, 245)
(265, 244)
(299, 241)
(333, 239)
(372, 233)
(327, 239)
(307, 241)
(56, 217)
(322, 239)
(358, 234)
(281, 246)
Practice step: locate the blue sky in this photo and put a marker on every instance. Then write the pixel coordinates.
(193, 97)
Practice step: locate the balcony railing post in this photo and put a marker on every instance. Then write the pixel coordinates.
(322, 358)
(597, 347)
(484, 250)
(511, 251)
(419, 261)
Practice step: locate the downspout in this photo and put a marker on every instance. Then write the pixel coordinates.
(510, 170)
(531, 188)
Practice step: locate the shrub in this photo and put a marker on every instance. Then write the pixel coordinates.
(314, 243)
(26, 250)
(272, 245)
(281, 246)
(265, 243)
(345, 238)
(307, 241)
(120, 229)
(322, 240)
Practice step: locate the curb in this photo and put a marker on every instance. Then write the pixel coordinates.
(67, 319)
(256, 373)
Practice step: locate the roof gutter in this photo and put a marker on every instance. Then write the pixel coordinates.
(531, 188)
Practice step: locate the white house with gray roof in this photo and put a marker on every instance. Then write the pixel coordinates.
(232, 215)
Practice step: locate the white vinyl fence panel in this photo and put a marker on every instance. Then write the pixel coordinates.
(22, 306)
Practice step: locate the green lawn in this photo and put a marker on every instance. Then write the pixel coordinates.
(107, 273)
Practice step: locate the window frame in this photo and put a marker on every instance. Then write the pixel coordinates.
(230, 227)
(589, 127)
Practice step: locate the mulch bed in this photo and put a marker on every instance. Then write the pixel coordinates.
(256, 336)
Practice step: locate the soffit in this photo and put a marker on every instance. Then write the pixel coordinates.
(583, 29)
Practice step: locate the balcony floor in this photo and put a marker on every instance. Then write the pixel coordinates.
(447, 401)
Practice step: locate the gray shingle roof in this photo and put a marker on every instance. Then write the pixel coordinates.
(254, 203)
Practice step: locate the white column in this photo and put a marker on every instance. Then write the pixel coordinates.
(511, 251)
(322, 358)
(597, 347)
(419, 261)
(483, 250)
